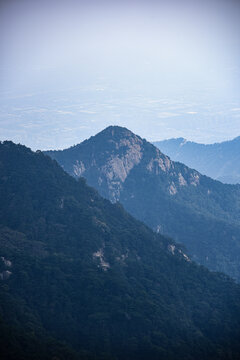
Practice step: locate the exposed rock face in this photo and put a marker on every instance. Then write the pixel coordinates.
(168, 196)
(122, 151)
(79, 168)
(160, 163)
(107, 160)
(100, 255)
(118, 166)
(195, 178)
(6, 262)
(4, 275)
(172, 189)
(182, 181)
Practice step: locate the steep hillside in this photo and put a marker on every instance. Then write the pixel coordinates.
(78, 269)
(220, 161)
(173, 199)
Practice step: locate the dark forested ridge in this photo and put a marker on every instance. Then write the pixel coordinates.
(80, 278)
(220, 161)
(195, 210)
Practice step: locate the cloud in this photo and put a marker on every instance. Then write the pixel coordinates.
(41, 110)
(65, 112)
(166, 115)
(235, 109)
(87, 112)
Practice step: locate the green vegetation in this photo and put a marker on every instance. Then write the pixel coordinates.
(196, 211)
(88, 281)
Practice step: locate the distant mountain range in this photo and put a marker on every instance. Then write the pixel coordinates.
(82, 279)
(221, 161)
(195, 210)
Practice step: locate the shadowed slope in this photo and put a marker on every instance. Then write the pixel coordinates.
(195, 210)
(86, 272)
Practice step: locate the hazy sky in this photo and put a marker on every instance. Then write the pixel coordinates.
(162, 68)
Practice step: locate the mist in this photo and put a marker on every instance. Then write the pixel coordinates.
(163, 69)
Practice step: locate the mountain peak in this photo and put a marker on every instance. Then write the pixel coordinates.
(167, 195)
(115, 133)
(116, 129)
(110, 157)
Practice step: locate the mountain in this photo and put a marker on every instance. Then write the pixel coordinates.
(197, 211)
(221, 161)
(80, 273)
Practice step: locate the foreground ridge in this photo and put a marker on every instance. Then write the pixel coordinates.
(85, 272)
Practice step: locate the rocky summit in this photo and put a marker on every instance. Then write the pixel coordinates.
(197, 211)
(111, 155)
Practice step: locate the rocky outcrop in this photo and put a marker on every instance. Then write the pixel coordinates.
(4, 275)
(196, 211)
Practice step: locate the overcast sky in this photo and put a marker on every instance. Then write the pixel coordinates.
(162, 68)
